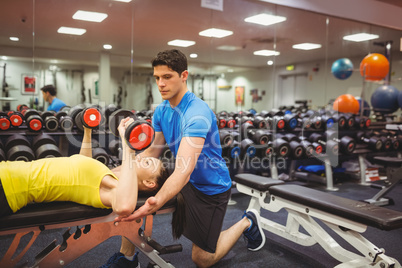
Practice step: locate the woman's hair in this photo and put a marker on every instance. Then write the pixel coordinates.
(160, 179)
(179, 217)
(174, 59)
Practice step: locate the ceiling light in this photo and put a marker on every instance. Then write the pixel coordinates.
(217, 33)
(125, 1)
(265, 19)
(360, 37)
(193, 55)
(229, 48)
(270, 62)
(266, 52)
(89, 16)
(4, 57)
(69, 30)
(107, 46)
(306, 46)
(15, 39)
(181, 43)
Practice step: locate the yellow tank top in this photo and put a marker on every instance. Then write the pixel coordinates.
(76, 178)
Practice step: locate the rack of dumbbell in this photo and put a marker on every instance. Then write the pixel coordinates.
(27, 134)
(252, 141)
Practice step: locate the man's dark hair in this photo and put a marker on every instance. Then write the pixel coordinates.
(49, 88)
(174, 59)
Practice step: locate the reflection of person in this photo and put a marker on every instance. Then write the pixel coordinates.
(81, 179)
(49, 94)
(200, 178)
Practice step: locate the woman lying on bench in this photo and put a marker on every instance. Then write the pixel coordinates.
(81, 179)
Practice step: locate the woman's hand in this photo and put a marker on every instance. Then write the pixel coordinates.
(124, 123)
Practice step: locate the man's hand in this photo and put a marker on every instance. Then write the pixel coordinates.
(148, 208)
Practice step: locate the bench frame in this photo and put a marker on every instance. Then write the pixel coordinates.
(88, 234)
(300, 215)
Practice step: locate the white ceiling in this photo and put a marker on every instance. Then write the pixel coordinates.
(140, 29)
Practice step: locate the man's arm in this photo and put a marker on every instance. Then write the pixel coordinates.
(186, 159)
(86, 145)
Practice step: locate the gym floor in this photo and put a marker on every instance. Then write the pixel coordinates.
(277, 252)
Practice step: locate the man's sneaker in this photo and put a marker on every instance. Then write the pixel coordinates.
(119, 261)
(254, 234)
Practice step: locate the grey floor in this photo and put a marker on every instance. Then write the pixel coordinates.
(277, 252)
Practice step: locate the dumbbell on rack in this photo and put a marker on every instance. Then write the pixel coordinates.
(297, 150)
(4, 121)
(45, 146)
(374, 143)
(16, 118)
(65, 121)
(18, 148)
(139, 135)
(50, 121)
(33, 120)
(332, 144)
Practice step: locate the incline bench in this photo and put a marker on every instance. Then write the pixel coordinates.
(93, 227)
(347, 218)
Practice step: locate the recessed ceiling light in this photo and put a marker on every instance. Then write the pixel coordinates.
(306, 46)
(15, 39)
(266, 52)
(360, 37)
(89, 16)
(229, 48)
(265, 19)
(217, 33)
(193, 55)
(270, 62)
(69, 30)
(181, 43)
(125, 1)
(107, 46)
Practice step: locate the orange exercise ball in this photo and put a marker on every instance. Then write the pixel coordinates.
(374, 67)
(346, 104)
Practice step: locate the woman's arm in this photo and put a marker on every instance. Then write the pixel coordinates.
(124, 200)
(86, 145)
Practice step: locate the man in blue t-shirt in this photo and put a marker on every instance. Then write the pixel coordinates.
(49, 94)
(200, 179)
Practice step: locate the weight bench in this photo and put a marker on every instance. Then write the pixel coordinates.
(93, 226)
(393, 167)
(347, 218)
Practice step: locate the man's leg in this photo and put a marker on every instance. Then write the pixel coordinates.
(226, 241)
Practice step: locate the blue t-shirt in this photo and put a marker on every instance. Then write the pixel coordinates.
(56, 105)
(193, 118)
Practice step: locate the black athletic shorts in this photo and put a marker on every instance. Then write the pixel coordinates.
(204, 216)
(4, 207)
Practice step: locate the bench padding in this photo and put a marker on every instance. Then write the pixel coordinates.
(259, 183)
(368, 214)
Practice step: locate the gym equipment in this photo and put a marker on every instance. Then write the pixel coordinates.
(297, 150)
(50, 121)
(2, 154)
(247, 148)
(330, 147)
(374, 67)
(400, 99)
(347, 144)
(305, 207)
(281, 147)
(140, 134)
(16, 118)
(101, 155)
(342, 68)
(85, 228)
(18, 148)
(33, 120)
(66, 123)
(362, 121)
(4, 121)
(373, 142)
(90, 117)
(393, 167)
(226, 138)
(346, 103)
(385, 99)
(45, 146)
(258, 136)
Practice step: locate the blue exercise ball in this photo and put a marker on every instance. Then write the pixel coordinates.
(385, 99)
(342, 68)
(366, 107)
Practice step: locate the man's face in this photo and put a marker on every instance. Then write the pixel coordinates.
(169, 82)
(45, 95)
